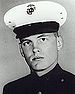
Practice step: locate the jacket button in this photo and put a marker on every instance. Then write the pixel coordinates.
(39, 92)
(62, 80)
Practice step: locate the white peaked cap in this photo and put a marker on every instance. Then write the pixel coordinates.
(34, 12)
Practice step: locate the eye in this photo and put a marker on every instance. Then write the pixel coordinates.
(43, 39)
(26, 43)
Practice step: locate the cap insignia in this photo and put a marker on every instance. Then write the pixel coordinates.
(30, 9)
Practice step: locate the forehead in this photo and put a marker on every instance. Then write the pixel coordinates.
(38, 36)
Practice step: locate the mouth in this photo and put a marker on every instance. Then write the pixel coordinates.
(36, 58)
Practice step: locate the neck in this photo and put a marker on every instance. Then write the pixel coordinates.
(41, 73)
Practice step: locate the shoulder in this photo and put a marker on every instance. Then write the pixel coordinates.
(14, 85)
(68, 76)
(63, 74)
(20, 80)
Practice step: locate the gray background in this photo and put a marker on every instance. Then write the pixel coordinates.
(12, 65)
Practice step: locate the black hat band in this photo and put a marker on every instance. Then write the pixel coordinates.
(36, 28)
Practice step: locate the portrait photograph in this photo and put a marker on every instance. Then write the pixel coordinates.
(37, 47)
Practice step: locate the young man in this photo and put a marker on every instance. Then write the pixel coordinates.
(36, 24)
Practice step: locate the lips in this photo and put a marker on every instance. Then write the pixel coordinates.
(36, 58)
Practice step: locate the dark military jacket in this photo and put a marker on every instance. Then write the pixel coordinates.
(57, 81)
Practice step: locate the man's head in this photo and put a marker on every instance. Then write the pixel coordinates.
(36, 24)
(40, 50)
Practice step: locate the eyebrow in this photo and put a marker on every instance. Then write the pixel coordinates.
(42, 35)
(25, 40)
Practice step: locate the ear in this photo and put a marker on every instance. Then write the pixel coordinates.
(59, 42)
(21, 49)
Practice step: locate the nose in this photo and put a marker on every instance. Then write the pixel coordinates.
(36, 50)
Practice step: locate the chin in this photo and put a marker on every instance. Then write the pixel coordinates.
(40, 69)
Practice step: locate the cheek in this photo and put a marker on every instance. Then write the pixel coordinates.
(27, 52)
(50, 49)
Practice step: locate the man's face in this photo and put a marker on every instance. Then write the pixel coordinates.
(40, 51)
